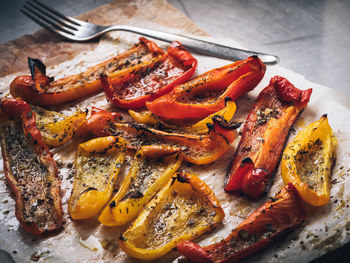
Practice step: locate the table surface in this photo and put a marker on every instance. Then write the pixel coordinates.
(310, 37)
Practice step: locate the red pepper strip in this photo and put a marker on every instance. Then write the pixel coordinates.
(264, 134)
(282, 213)
(206, 93)
(16, 108)
(97, 124)
(133, 87)
(38, 89)
(197, 149)
(30, 170)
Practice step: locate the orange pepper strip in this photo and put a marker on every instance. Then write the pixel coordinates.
(39, 89)
(206, 93)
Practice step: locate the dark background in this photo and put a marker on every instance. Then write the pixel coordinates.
(310, 37)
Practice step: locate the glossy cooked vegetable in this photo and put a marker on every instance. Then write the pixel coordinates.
(207, 93)
(38, 89)
(200, 127)
(184, 209)
(97, 124)
(147, 81)
(30, 170)
(56, 128)
(97, 165)
(147, 175)
(197, 149)
(307, 162)
(265, 132)
(273, 218)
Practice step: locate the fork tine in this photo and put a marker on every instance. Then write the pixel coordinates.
(67, 18)
(32, 4)
(53, 28)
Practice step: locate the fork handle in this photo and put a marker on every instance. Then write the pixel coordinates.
(199, 46)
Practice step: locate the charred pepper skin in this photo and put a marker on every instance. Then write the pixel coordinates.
(39, 89)
(30, 170)
(196, 149)
(208, 92)
(145, 82)
(282, 213)
(264, 135)
(308, 160)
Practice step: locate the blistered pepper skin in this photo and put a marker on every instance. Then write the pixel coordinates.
(145, 82)
(143, 181)
(97, 165)
(308, 160)
(38, 89)
(200, 127)
(264, 134)
(30, 170)
(184, 209)
(285, 211)
(57, 132)
(206, 94)
(196, 149)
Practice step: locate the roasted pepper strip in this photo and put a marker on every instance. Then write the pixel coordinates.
(197, 149)
(38, 89)
(145, 178)
(97, 124)
(56, 128)
(150, 80)
(307, 162)
(97, 165)
(264, 134)
(282, 213)
(206, 93)
(200, 127)
(184, 209)
(30, 170)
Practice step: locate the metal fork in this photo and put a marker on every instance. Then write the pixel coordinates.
(77, 30)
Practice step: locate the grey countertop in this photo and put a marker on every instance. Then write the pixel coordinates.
(310, 37)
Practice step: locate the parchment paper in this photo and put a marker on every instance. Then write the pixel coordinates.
(325, 229)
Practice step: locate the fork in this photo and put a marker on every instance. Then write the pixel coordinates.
(80, 31)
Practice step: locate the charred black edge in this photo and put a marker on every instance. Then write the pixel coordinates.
(132, 195)
(36, 63)
(122, 238)
(88, 190)
(182, 178)
(211, 127)
(227, 99)
(247, 160)
(225, 124)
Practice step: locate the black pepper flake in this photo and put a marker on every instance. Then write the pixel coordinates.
(112, 204)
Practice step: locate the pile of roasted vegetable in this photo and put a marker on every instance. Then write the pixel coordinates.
(174, 118)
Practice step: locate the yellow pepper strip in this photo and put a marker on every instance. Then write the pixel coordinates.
(307, 162)
(148, 118)
(56, 128)
(97, 165)
(145, 178)
(184, 209)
